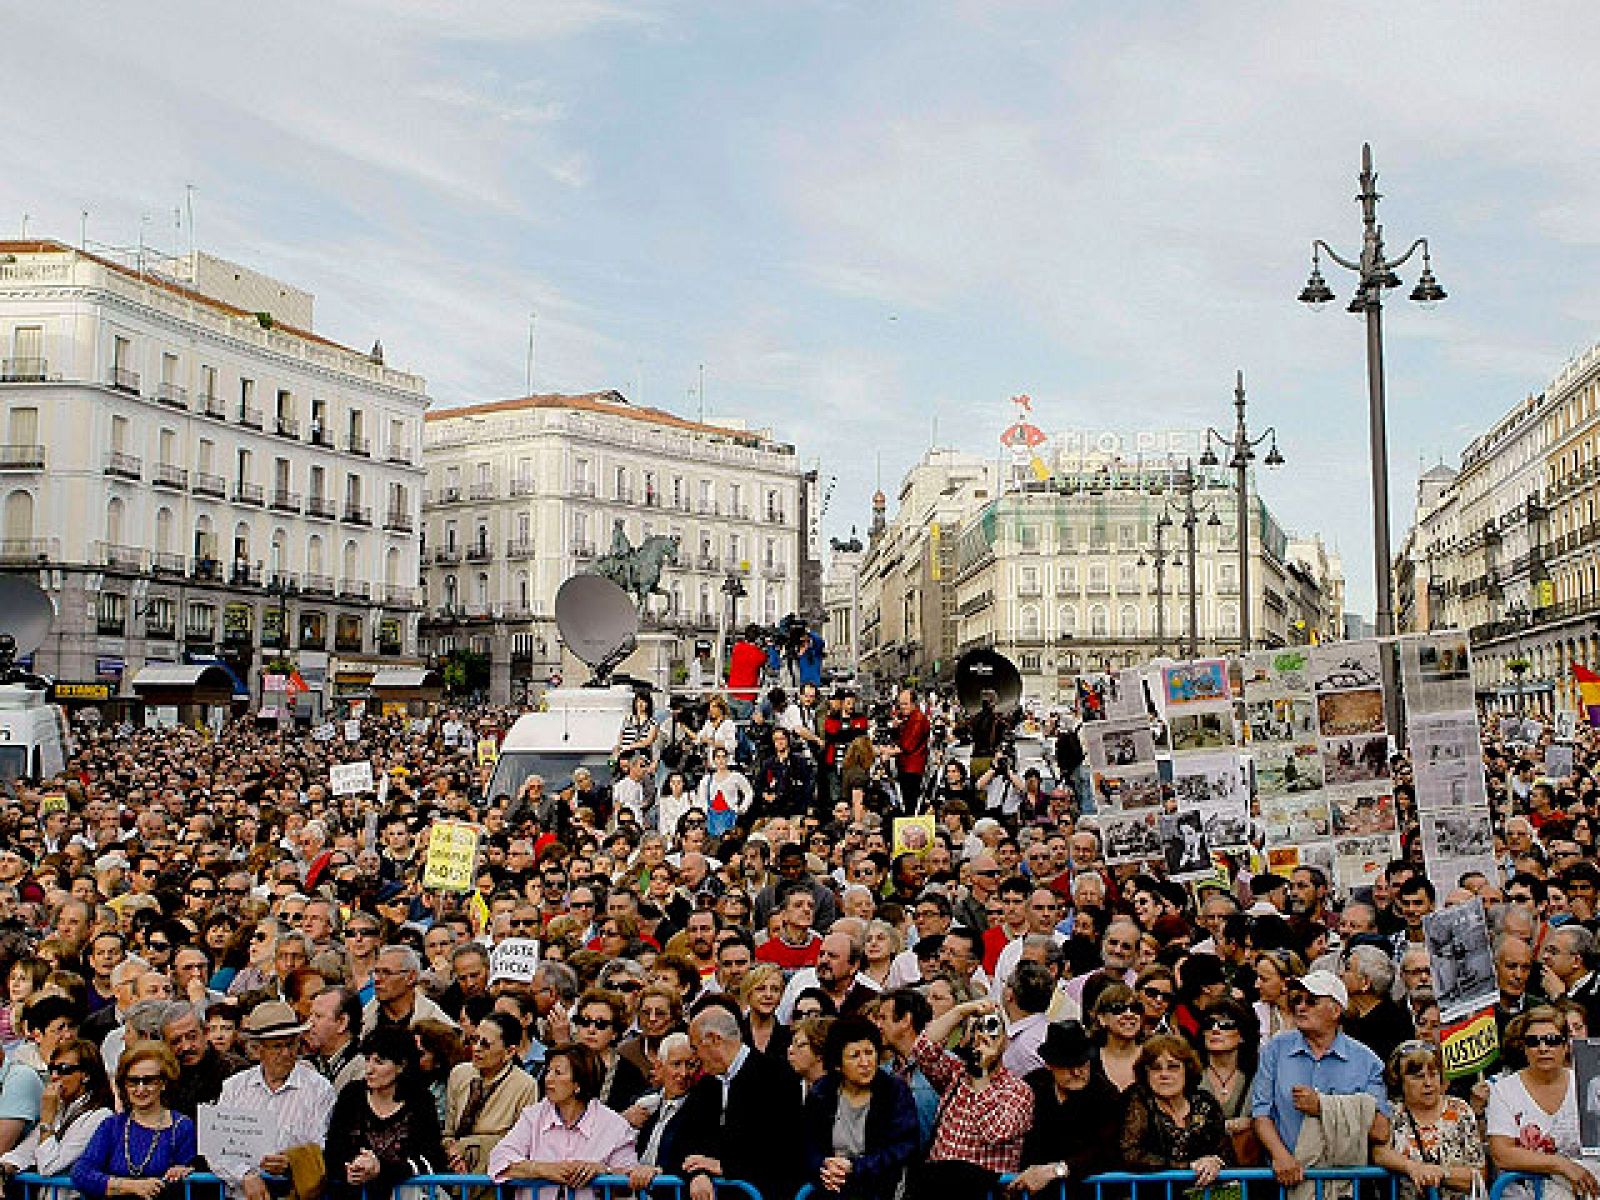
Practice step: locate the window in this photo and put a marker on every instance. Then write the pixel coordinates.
(1029, 621)
(1126, 537)
(1127, 576)
(1128, 621)
(119, 435)
(1067, 620)
(1099, 623)
(22, 425)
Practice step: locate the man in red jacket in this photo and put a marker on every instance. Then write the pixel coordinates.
(745, 663)
(911, 733)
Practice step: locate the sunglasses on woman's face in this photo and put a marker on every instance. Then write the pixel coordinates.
(1551, 1040)
(1119, 1010)
(1223, 1024)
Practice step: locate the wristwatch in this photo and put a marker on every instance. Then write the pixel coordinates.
(1060, 1170)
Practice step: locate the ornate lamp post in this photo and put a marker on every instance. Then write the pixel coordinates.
(1243, 449)
(1375, 271)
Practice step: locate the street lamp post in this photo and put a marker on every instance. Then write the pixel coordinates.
(1243, 449)
(1376, 271)
(1190, 513)
(1163, 523)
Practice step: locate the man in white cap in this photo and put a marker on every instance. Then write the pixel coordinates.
(291, 1095)
(1302, 1065)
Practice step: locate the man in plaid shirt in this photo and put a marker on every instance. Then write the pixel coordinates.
(984, 1110)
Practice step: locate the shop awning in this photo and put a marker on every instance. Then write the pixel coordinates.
(406, 677)
(185, 683)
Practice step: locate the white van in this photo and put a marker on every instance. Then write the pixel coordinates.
(578, 728)
(33, 734)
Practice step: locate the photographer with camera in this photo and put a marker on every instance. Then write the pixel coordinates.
(987, 729)
(909, 750)
(986, 1111)
(839, 729)
(1000, 786)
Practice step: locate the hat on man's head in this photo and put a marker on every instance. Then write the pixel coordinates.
(272, 1019)
(1065, 1045)
(1323, 983)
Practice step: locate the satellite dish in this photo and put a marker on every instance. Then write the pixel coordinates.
(26, 615)
(980, 671)
(598, 623)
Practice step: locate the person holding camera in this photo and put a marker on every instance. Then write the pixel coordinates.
(986, 1111)
(909, 750)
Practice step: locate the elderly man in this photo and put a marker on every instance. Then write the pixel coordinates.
(731, 1113)
(838, 961)
(331, 1031)
(1513, 969)
(1026, 999)
(201, 1069)
(1568, 969)
(1301, 1066)
(294, 1099)
(657, 1116)
(983, 881)
(1041, 911)
(1373, 1018)
(1119, 950)
(396, 999)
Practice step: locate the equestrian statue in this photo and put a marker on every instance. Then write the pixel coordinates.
(637, 570)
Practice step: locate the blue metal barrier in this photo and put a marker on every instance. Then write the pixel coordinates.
(1506, 1178)
(449, 1187)
(1173, 1184)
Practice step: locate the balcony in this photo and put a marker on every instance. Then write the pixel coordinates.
(1066, 587)
(483, 491)
(244, 575)
(356, 444)
(250, 417)
(21, 458)
(283, 583)
(124, 466)
(24, 370)
(449, 495)
(582, 549)
(447, 555)
(168, 476)
(582, 487)
(316, 585)
(173, 396)
(775, 571)
(652, 499)
(522, 487)
(357, 514)
(120, 557)
(776, 517)
(320, 506)
(355, 589)
(707, 508)
(623, 495)
(519, 549)
(1029, 589)
(213, 407)
(739, 512)
(399, 595)
(321, 437)
(123, 380)
(200, 635)
(158, 628)
(479, 553)
(113, 624)
(284, 501)
(18, 551)
(288, 427)
(162, 563)
(207, 484)
(249, 493)
(681, 504)
(398, 521)
(400, 455)
(208, 570)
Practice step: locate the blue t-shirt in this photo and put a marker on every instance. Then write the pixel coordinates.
(810, 663)
(21, 1090)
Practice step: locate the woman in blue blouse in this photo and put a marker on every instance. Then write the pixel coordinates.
(147, 1145)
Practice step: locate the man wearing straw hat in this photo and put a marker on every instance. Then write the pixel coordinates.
(292, 1097)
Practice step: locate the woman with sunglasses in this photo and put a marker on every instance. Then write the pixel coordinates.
(1155, 987)
(146, 1146)
(1532, 1120)
(598, 1024)
(1118, 1027)
(259, 944)
(75, 1103)
(1229, 1045)
(1433, 1136)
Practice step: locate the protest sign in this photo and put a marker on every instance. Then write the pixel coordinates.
(514, 959)
(352, 731)
(1586, 1066)
(452, 856)
(1566, 724)
(248, 1134)
(1461, 960)
(324, 732)
(1470, 1044)
(913, 835)
(350, 779)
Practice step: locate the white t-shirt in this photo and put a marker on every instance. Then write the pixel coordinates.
(1513, 1113)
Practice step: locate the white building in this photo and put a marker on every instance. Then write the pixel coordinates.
(192, 471)
(522, 494)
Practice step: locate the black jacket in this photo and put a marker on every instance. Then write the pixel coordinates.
(893, 1136)
(406, 1144)
(1080, 1131)
(746, 1137)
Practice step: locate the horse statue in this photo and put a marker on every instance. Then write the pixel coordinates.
(637, 570)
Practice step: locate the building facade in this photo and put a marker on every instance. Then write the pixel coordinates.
(191, 472)
(522, 494)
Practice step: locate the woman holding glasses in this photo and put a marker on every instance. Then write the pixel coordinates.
(147, 1145)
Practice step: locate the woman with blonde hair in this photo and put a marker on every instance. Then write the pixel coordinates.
(1275, 969)
(761, 993)
(146, 1146)
(879, 948)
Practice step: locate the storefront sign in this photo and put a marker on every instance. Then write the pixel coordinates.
(80, 693)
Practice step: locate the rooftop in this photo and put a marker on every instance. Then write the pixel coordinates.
(609, 403)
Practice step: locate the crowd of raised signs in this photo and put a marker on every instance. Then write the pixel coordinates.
(211, 963)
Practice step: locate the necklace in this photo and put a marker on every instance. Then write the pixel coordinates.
(1222, 1084)
(137, 1169)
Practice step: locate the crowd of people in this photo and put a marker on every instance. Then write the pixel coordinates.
(732, 977)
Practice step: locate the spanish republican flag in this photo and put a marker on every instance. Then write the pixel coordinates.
(1588, 692)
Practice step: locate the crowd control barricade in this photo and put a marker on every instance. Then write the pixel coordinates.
(1171, 1185)
(1505, 1179)
(434, 1187)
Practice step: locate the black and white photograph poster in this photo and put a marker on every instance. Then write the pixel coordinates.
(1586, 1066)
(1461, 959)
(1183, 844)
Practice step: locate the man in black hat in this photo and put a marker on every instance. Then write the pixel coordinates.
(1076, 1113)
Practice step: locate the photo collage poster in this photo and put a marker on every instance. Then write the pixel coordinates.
(1353, 735)
(1121, 752)
(1210, 806)
(1280, 716)
(1447, 758)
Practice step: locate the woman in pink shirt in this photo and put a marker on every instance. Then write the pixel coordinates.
(569, 1137)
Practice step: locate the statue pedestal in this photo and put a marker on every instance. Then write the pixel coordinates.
(652, 659)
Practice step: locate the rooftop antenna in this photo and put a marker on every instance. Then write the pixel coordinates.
(533, 326)
(24, 226)
(83, 229)
(188, 202)
(702, 393)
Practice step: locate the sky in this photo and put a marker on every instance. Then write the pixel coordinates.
(867, 221)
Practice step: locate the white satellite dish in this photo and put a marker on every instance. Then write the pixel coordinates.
(26, 615)
(598, 623)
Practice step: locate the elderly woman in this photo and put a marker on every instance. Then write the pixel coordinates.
(1433, 1136)
(1532, 1120)
(1230, 1049)
(1173, 1124)
(1373, 1018)
(75, 1103)
(879, 948)
(146, 1146)
(569, 1137)
(809, 1037)
(860, 1127)
(599, 1022)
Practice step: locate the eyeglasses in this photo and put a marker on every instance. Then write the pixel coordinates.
(989, 874)
(1297, 998)
(553, 881)
(581, 904)
(159, 945)
(483, 1043)
(626, 987)
(139, 1081)
(1119, 1010)
(804, 1014)
(1551, 1040)
(236, 893)
(1156, 993)
(64, 1068)
(593, 1022)
(1221, 1024)
(203, 893)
